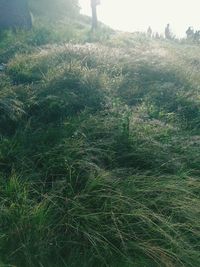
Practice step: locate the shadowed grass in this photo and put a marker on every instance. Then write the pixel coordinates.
(99, 153)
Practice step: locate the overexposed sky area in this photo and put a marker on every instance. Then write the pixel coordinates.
(137, 15)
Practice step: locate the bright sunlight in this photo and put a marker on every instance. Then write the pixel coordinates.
(130, 15)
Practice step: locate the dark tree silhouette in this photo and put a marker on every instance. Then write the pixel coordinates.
(15, 14)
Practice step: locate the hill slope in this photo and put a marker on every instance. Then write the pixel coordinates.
(99, 151)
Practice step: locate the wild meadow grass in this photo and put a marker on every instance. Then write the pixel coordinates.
(99, 152)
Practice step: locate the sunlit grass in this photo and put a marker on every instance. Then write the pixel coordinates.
(99, 152)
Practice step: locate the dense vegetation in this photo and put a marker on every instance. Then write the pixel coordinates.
(54, 9)
(99, 149)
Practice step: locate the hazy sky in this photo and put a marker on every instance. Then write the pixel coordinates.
(134, 15)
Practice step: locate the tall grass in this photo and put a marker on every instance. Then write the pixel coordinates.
(99, 154)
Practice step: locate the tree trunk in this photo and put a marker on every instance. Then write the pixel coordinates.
(94, 4)
(15, 14)
(94, 18)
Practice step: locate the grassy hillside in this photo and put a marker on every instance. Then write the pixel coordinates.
(99, 149)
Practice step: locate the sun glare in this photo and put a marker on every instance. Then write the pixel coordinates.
(130, 15)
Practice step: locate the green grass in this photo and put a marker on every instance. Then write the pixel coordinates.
(99, 150)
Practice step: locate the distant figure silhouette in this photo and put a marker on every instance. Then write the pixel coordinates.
(197, 36)
(190, 33)
(94, 4)
(149, 32)
(168, 34)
